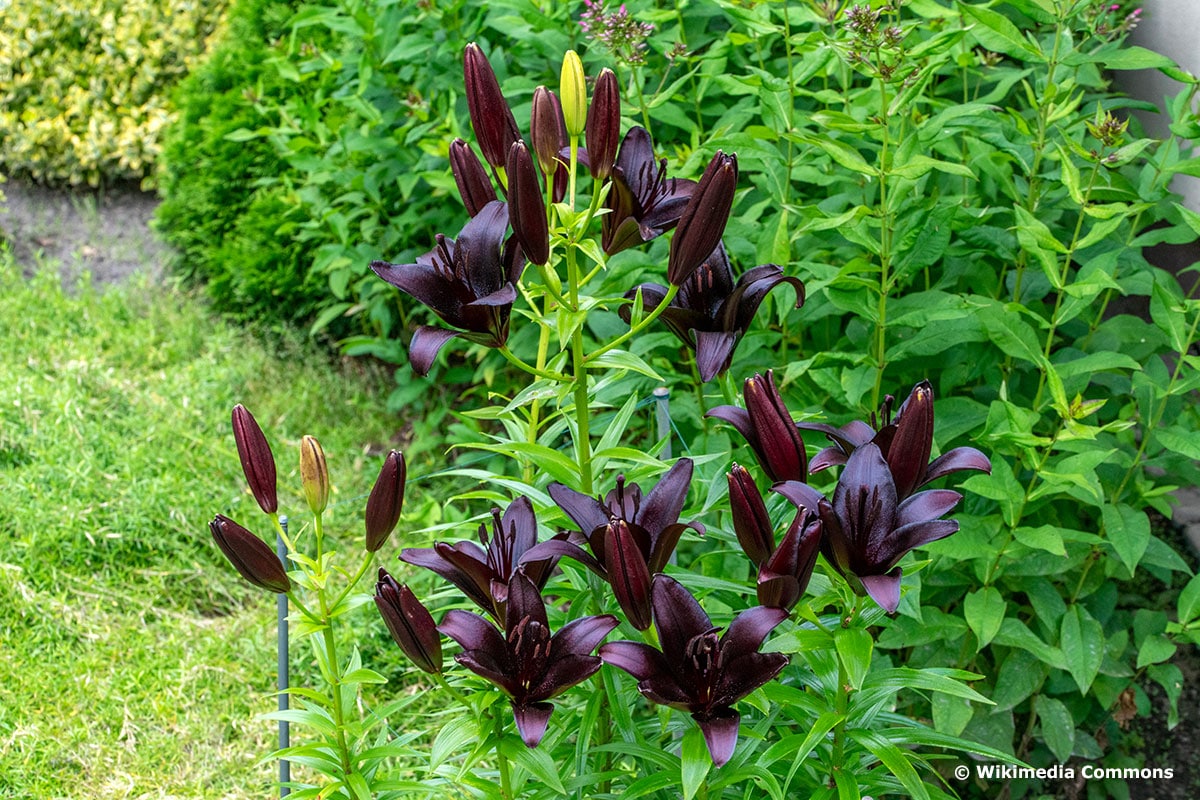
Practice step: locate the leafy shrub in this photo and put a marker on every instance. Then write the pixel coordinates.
(84, 83)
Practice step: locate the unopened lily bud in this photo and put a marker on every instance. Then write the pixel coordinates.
(385, 501)
(526, 207)
(704, 219)
(491, 118)
(314, 474)
(258, 463)
(471, 178)
(409, 622)
(604, 125)
(251, 556)
(750, 520)
(547, 129)
(572, 89)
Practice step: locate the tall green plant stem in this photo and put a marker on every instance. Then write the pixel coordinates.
(583, 441)
(634, 330)
(885, 244)
(501, 760)
(335, 684)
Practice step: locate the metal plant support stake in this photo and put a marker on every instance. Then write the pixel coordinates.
(662, 416)
(285, 767)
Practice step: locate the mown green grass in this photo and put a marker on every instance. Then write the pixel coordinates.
(132, 659)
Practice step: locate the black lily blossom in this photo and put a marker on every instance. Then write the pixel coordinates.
(469, 282)
(868, 527)
(491, 118)
(703, 220)
(710, 314)
(652, 523)
(698, 671)
(643, 202)
(526, 205)
(525, 661)
(410, 623)
(767, 426)
(253, 558)
(481, 574)
(905, 441)
(474, 185)
(386, 501)
(258, 463)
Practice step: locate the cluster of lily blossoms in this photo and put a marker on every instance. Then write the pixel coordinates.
(878, 512)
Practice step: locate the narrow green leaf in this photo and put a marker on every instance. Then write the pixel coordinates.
(695, 763)
(537, 762)
(854, 646)
(1082, 641)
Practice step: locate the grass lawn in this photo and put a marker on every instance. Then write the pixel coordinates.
(132, 659)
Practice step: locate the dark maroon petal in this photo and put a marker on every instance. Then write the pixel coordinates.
(491, 666)
(849, 436)
(800, 494)
(472, 180)
(835, 543)
(603, 129)
(473, 632)
(547, 130)
(752, 288)
(427, 342)
(424, 283)
(563, 673)
(748, 630)
(635, 160)
(677, 616)
(751, 523)
(915, 535)
(708, 288)
(527, 205)
(745, 673)
(258, 464)
(640, 660)
(884, 589)
(478, 262)
(525, 604)
(410, 623)
(908, 452)
(520, 522)
(720, 731)
(664, 544)
(739, 418)
(531, 719)
(253, 558)
(865, 502)
(667, 207)
(586, 512)
(714, 352)
(924, 506)
(703, 220)
(665, 501)
(580, 637)
(959, 458)
(463, 565)
(628, 574)
(794, 558)
(491, 118)
(504, 296)
(780, 446)
(556, 548)
(386, 501)
(777, 590)
(832, 456)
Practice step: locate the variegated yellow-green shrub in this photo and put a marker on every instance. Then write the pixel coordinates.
(85, 84)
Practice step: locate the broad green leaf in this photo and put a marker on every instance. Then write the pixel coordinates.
(896, 761)
(1134, 57)
(1082, 642)
(1020, 676)
(984, 611)
(1043, 537)
(1154, 650)
(996, 32)
(1012, 334)
(695, 763)
(537, 762)
(854, 646)
(1128, 531)
(1169, 316)
(843, 154)
(1189, 601)
(1014, 633)
(1170, 678)
(1058, 727)
(919, 165)
(1179, 439)
(951, 714)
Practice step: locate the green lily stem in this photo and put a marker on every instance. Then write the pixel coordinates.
(842, 701)
(455, 693)
(885, 245)
(583, 441)
(525, 366)
(335, 686)
(535, 408)
(505, 778)
(634, 330)
(358, 576)
(728, 391)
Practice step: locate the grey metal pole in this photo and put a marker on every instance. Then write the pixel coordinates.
(285, 767)
(662, 417)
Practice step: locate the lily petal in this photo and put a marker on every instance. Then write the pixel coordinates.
(628, 574)
(473, 632)
(640, 660)
(748, 630)
(677, 616)
(714, 352)
(924, 506)
(720, 734)
(959, 458)
(585, 511)
(532, 719)
(665, 501)
(427, 342)
(884, 589)
(580, 636)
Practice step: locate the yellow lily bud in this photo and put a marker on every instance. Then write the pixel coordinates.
(572, 91)
(314, 474)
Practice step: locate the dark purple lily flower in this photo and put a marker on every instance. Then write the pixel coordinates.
(481, 574)
(527, 206)
(525, 661)
(783, 571)
(409, 622)
(697, 671)
(653, 523)
(254, 559)
(905, 441)
(258, 463)
(767, 426)
(644, 203)
(470, 283)
(474, 185)
(711, 314)
(868, 527)
(703, 220)
(491, 118)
